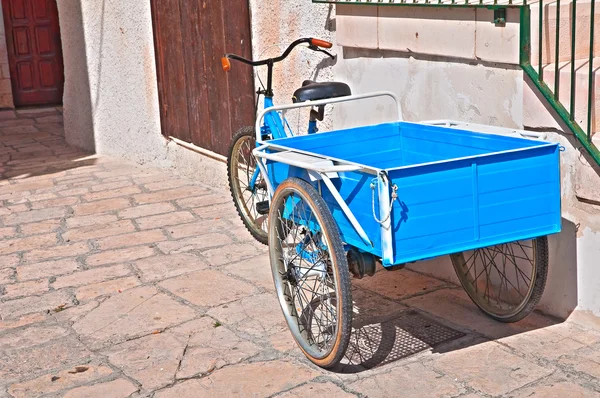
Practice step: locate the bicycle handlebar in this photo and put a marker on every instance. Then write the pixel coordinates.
(316, 43)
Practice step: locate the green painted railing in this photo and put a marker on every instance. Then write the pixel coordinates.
(431, 3)
(535, 74)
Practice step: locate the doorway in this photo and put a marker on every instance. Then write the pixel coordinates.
(34, 51)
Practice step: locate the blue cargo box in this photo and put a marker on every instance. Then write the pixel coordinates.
(457, 190)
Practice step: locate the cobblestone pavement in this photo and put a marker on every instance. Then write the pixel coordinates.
(118, 280)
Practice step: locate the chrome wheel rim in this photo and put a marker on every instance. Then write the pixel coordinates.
(305, 282)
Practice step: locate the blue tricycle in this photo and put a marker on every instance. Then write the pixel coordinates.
(335, 204)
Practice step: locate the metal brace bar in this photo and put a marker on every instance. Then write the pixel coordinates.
(305, 104)
(342, 203)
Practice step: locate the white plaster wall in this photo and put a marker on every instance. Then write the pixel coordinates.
(111, 95)
(277, 23)
(430, 89)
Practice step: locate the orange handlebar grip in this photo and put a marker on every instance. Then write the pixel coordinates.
(226, 63)
(321, 43)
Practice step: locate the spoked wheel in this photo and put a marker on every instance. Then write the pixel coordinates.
(506, 281)
(310, 272)
(241, 166)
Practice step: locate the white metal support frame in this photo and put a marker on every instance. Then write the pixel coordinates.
(487, 129)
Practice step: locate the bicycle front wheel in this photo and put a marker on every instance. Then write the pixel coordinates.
(248, 193)
(310, 272)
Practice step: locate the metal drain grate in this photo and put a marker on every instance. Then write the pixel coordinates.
(376, 344)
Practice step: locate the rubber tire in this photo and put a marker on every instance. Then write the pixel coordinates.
(539, 284)
(339, 265)
(244, 132)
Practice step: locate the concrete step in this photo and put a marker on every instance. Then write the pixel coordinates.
(581, 91)
(582, 35)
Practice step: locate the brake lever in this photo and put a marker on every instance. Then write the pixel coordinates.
(315, 48)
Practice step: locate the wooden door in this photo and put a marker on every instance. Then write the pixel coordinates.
(200, 103)
(34, 51)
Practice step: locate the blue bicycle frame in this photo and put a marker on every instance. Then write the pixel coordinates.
(273, 127)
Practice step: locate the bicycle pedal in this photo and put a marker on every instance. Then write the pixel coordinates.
(262, 208)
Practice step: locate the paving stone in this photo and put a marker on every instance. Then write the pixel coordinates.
(46, 269)
(414, 380)
(225, 210)
(99, 231)
(197, 228)
(256, 315)
(207, 288)
(107, 288)
(30, 337)
(119, 388)
(210, 347)
(169, 194)
(22, 321)
(111, 186)
(91, 276)
(7, 275)
(163, 267)
(119, 255)
(489, 368)
(8, 232)
(576, 332)
(581, 363)
(131, 239)
(9, 261)
(71, 313)
(256, 270)
(555, 389)
(327, 389)
(275, 376)
(91, 197)
(23, 289)
(133, 313)
(187, 389)
(542, 343)
(57, 381)
(67, 250)
(205, 200)
(41, 227)
(147, 210)
(73, 191)
(152, 360)
(168, 184)
(55, 354)
(34, 216)
(456, 306)
(399, 284)
(164, 220)
(194, 243)
(234, 253)
(76, 222)
(28, 243)
(66, 201)
(47, 302)
(283, 341)
(101, 206)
